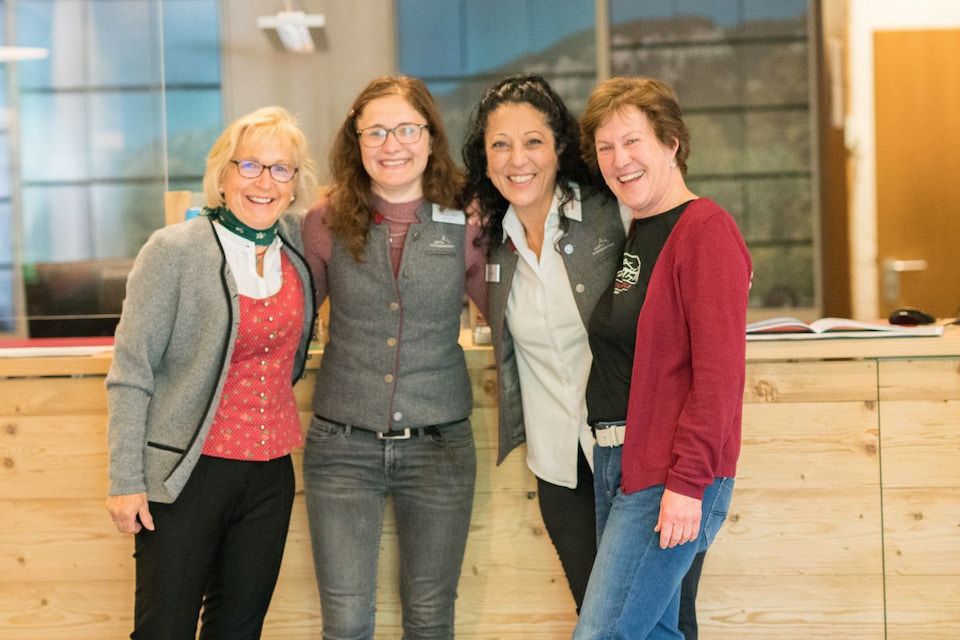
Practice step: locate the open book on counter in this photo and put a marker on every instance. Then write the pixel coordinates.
(794, 329)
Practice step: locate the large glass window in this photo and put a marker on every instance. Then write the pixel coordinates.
(460, 47)
(126, 85)
(741, 72)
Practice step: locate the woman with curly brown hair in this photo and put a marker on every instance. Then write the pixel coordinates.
(395, 254)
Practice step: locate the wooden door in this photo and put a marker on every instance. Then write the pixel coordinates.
(917, 105)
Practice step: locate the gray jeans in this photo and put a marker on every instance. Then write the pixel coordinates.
(348, 474)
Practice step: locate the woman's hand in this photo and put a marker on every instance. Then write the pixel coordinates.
(125, 511)
(679, 520)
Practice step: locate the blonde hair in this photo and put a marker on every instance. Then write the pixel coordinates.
(267, 123)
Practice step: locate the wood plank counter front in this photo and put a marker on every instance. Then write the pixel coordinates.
(845, 521)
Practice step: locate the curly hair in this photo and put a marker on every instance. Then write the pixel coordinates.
(652, 97)
(480, 191)
(350, 195)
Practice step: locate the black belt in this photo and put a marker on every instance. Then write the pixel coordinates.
(432, 430)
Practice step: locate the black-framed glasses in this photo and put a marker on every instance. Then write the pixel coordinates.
(253, 169)
(405, 133)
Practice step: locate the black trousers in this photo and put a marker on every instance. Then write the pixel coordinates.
(688, 598)
(220, 546)
(571, 520)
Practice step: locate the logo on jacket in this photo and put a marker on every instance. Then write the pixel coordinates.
(602, 245)
(443, 242)
(628, 275)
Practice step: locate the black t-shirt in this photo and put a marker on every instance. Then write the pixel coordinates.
(612, 329)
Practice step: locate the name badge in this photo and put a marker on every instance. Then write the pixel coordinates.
(448, 215)
(493, 273)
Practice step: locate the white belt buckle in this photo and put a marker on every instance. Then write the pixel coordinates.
(404, 435)
(611, 436)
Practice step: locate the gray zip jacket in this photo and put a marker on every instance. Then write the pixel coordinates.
(172, 350)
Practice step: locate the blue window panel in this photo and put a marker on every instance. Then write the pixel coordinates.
(124, 43)
(502, 33)
(123, 216)
(59, 26)
(430, 37)
(126, 134)
(4, 166)
(191, 42)
(775, 9)
(8, 320)
(629, 10)
(193, 124)
(53, 142)
(723, 13)
(6, 234)
(56, 224)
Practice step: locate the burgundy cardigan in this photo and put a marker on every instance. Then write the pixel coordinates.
(686, 390)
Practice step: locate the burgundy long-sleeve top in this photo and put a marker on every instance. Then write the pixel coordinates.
(686, 391)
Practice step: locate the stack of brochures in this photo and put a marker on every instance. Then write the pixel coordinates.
(794, 329)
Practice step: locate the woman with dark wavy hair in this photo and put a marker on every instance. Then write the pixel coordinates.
(554, 245)
(392, 402)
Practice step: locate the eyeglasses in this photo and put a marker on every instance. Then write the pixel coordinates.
(253, 169)
(405, 133)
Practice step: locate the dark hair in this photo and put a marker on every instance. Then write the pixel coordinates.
(480, 191)
(653, 97)
(350, 194)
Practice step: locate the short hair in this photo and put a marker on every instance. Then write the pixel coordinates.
(535, 91)
(652, 97)
(266, 123)
(350, 194)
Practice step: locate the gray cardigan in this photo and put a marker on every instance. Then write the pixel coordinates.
(171, 354)
(592, 261)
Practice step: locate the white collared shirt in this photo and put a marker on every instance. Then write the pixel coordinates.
(553, 355)
(242, 257)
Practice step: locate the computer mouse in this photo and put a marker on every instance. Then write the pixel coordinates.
(909, 315)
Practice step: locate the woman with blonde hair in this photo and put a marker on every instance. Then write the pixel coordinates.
(214, 333)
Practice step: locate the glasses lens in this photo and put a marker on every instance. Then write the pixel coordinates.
(282, 173)
(373, 137)
(249, 168)
(407, 133)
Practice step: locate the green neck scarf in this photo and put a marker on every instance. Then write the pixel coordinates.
(261, 237)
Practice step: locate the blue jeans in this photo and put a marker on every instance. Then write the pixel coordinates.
(634, 590)
(348, 474)
(606, 482)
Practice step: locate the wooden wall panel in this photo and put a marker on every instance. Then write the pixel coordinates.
(930, 379)
(800, 533)
(921, 443)
(800, 556)
(923, 607)
(748, 607)
(803, 445)
(920, 458)
(814, 381)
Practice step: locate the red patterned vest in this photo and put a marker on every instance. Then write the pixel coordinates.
(257, 418)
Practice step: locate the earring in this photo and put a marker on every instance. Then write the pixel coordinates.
(673, 163)
(293, 197)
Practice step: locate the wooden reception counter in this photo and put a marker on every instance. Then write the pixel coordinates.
(845, 521)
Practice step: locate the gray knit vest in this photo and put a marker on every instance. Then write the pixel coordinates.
(393, 360)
